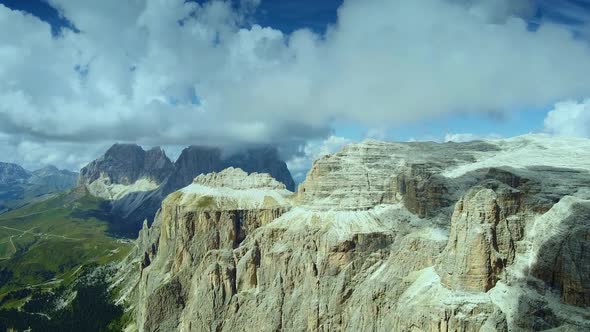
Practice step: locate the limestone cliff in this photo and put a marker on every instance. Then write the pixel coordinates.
(380, 237)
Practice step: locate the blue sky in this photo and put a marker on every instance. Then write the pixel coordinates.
(289, 15)
(392, 70)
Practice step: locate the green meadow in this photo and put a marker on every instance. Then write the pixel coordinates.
(46, 244)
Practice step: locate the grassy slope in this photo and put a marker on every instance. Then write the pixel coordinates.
(15, 196)
(44, 244)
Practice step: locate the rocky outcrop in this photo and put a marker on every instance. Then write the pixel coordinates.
(380, 237)
(484, 230)
(382, 173)
(201, 226)
(562, 255)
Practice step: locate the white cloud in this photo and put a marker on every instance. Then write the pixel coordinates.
(33, 155)
(301, 162)
(377, 133)
(569, 118)
(176, 73)
(467, 137)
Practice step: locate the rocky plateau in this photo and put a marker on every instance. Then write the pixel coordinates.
(478, 236)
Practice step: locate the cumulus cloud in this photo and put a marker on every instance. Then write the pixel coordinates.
(177, 73)
(35, 154)
(569, 118)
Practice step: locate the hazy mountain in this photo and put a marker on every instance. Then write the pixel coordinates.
(19, 187)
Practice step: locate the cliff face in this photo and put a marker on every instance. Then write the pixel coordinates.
(124, 164)
(380, 237)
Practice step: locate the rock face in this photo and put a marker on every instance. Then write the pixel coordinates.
(563, 258)
(137, 181)
(196, 160)
(484, 230)
(380, 237)
(126, 163)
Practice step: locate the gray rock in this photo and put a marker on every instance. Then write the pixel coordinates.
(380, 237)
(126, 163)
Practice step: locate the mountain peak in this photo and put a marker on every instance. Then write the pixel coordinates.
(10, 173)
(127, 163)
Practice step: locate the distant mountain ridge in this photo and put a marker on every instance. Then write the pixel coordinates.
(19, 186)
(135, 181)
(12, 173)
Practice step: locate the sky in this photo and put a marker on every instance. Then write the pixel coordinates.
(307, 76)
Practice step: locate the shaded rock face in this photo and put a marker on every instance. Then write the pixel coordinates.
(197, 160)
(563, 260)
(126, 163)
(484, 230)
(193, 161)
(377, 238)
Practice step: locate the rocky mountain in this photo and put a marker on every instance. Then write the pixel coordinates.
(19, 187)
(135, 181)
(12, 173)
(479, 236)
(125, 164)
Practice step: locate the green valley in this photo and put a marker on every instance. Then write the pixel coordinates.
(45, 245)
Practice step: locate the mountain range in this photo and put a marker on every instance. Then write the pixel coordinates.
(381, 236)
(19, 187)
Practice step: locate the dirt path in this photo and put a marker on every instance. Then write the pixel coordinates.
(29, 231)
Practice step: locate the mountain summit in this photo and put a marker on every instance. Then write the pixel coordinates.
(126, 163)
(12, 173)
